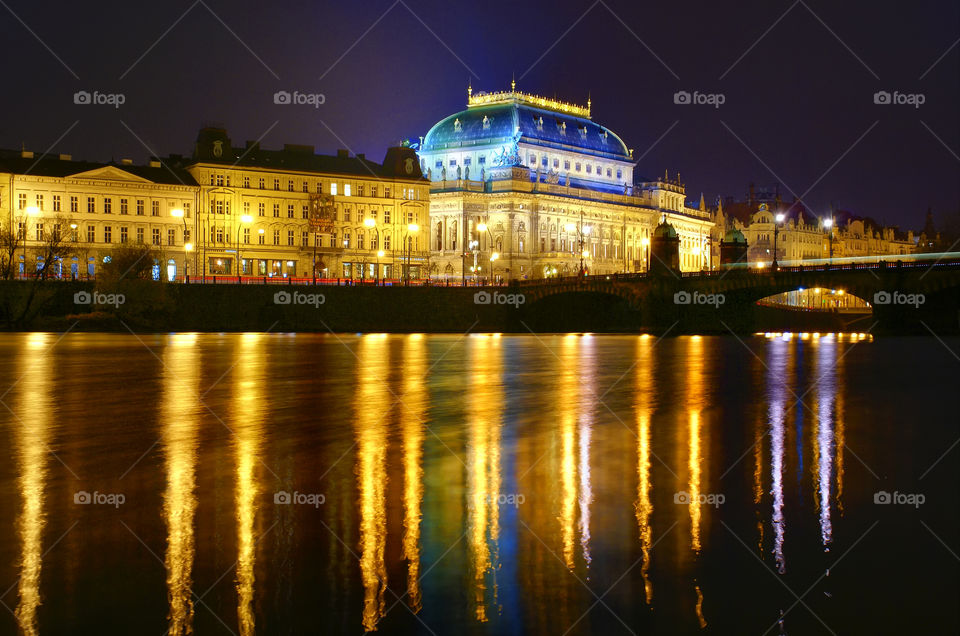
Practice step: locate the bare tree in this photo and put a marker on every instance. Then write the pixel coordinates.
(11, 241)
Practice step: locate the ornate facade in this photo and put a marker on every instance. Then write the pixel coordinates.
(526, 187)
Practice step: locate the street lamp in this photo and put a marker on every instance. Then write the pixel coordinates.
(776, 230)
(645, 243)
(828, 223)
(493, 267)
(372, 224)
(244, 219)
(412, 228)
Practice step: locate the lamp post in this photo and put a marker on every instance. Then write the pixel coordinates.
(645, 243)
(776, 230)
(582, 231)
(244, 219)
(493, 268)
(178, 213)
(412, 229)
(372, 224)
(828, 223)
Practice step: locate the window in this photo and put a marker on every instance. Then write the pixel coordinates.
(360, 236)
(386, 192)
(262, 209)
(171, 237)
(333, 189)
(360, 189)
(261, 183)
(346, 189)
(482, 159)
(386, 215)
(156, 236)
(123, 233)
(39, 231)
(246, 235)
(439, 164)
(140, 235)
(154, 208)
(289, 210)
(467, 161)
(246, 182)
(589, 168)
(124, 206)
(74, 204)
(276, 184)
(305, 239)
(373, 191)
(91, 234)
(219, 179)
(40, 202)
(453, 163)
(566, 165)
(276, 210)
(218, 206)
(246, 207)
(107, 234)
(260, 238)
(346, 214)
(319, 187)
(107, 206)
(139, 207)
(386, 241)
(619, 174)
(305, 212)
(290, 185)
(186, 236)
(276, 237)
(609, 173)
(22, 201)
(333, 239)
(578, 167)
(556, 163)
(56, 203)
(306, 186)
(346, 239)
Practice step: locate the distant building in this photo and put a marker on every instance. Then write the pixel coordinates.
(536, 184)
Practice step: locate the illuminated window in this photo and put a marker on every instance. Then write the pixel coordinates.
(333, 189)
(346, 189)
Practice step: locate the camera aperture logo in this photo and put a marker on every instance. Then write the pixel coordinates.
(498, 298)
(96, 98)
(915, 499)
(285, 498)
(115, 499)
(896, 98)
(697, 98)
(298, 298)
(698, 298)
(898, 298)
(715, 499)
(98, 298)
(296, 98)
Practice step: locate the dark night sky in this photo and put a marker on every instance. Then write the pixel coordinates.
(798, 101)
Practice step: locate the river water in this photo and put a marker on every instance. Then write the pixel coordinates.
(480, 484)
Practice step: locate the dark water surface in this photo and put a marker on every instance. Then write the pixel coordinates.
(558, 484)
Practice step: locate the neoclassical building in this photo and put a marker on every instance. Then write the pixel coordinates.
(523, 186)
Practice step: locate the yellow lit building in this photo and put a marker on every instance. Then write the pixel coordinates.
(524, 187)
(96, 207)
(286, 209)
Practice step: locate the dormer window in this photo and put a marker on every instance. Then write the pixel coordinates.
(486, 123)
(457, 126)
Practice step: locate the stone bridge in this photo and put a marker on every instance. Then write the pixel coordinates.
(659, 299)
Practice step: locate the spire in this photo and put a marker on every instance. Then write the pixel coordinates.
(513, 82)
(719, 204)
(589, 103)
(703, 204)
(469, 89)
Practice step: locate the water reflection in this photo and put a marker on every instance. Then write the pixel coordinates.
(246, 422)
(414, 413)
(778, 390)
(695, 397)
(371, 410)
(588, 362)
(644, 406)
(32, 439)
(483, 470)
(180, 377)
(823, 433)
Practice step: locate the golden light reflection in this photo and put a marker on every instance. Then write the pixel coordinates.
(414, 412)
(695, 401)
(246, 422)
(567, 388)
(587, 357)
(180, 439)
(483, 470)
(644, 406)
(32, 438)
(370, 408)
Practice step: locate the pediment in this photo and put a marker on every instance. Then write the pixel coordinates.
(109, 173)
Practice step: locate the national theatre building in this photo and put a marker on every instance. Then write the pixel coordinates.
(527, 187)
